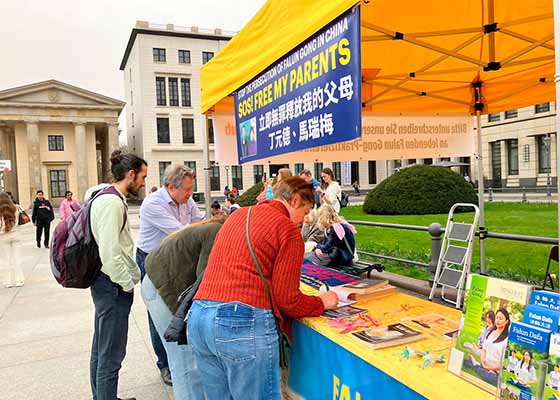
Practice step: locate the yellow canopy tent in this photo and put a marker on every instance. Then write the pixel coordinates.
(423, 56)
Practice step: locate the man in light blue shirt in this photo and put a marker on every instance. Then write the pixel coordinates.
(167, 210)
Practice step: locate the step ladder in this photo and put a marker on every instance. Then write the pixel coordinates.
(454, 262)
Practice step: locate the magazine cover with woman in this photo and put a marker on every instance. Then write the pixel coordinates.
(491, 306)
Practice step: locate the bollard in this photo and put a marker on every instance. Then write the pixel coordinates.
(490, 194)
(524, 195)
(435, 231)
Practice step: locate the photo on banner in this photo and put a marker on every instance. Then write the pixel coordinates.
(309, 98)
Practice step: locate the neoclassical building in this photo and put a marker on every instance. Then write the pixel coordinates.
(58, 137)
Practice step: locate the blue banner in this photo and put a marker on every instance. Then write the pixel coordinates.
(312, 97)
(320, 369)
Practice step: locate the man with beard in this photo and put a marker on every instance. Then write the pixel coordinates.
(113, 289)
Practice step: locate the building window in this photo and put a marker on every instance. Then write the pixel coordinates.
(317, 168)
(428, 161)
(493, 117)
(160, 92)
(186, 92)
(337, 171)
(543, 144)
(56, 143)
(411, 161)
(511, 114)
(464, 170)
(355, 172)
(543, 107)
(159, 55)
(188, 130)
(184, 57)
(214, 177)
(58, 183)
(513, 157)
(372, 172)
(162, 167)
(163, 130)
(192, 165)
(298, 167)
(397, 164)
(173, 92)
(207, 56)
(237, 177)
(210, 131)
(258, 172)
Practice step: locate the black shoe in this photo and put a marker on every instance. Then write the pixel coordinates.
(127, 398)
(39, 245)
(46, 246)
(166, 376)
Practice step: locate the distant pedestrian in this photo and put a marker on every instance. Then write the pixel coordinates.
(113, 289)
(331, 192)
(306, 174)
(216, 208)
(68, 206)
(356, 187)
(153, 189)
(231, 204)
(9, 240)
(235, 191)
(43, 214)
(167, 210)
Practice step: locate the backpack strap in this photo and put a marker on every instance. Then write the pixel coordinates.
(111, 190)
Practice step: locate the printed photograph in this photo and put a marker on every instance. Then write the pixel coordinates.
(248, 132)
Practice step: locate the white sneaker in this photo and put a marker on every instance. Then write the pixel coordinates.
(20, 284)
(8, 285)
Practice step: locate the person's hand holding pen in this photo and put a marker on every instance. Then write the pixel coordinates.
(330, 299)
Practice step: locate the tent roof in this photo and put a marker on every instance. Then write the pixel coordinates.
(420, 56)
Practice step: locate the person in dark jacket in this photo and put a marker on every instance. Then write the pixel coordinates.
(339, 244)
(170, 269)
(43, 214)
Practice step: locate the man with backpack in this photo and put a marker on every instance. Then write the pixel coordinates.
(43, 214)
(167, 210)
(113, 288)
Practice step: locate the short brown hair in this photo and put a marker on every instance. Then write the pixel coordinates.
(284, 173)
(288, 187)
(305, 172)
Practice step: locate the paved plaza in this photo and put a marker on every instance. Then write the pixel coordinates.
(46, 332)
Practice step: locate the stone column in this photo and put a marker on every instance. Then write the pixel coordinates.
(34, 158)
(111, 144)
(81, 159)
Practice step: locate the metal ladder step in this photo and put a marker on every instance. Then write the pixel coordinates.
(450, 277)
(460, 231)
(455, 255)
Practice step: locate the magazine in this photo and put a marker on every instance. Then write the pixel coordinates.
(491, 306)
(524, 367)
(434, 324)
(365, 286)
(388, 336)
(343, 312)
(552, 381)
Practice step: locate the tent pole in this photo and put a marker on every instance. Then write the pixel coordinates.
(206, 155)
(557, 82)
(480, 191)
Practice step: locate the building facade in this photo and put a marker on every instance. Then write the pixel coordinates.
(58, 137)
(519, 147)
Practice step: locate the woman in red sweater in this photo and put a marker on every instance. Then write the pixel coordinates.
(231, 326)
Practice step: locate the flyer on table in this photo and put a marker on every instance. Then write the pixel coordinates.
(310, 98)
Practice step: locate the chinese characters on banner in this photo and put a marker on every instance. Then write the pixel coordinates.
(310, 98)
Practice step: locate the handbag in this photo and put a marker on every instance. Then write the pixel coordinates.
(284, 343)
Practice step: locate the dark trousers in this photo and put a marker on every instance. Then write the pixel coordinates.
(43, 225)
(156, 340)
(112, 308)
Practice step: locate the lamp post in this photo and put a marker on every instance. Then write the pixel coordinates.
(227, 175)
(546, 141)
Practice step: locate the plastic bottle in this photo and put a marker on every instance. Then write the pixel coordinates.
(269, 192)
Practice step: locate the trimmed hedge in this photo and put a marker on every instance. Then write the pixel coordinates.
(249, 197)
(422, 189)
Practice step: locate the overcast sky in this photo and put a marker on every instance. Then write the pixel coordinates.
(82, 42)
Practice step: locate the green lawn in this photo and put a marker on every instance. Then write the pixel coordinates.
(508, 259)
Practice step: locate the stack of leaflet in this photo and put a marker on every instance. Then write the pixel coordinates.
(524, 373)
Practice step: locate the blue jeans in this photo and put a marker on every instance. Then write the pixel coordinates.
(187, 383)
(236, 348)
(112, 308)
(157, 345)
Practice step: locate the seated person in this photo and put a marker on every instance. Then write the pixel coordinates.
(525, 373)
(339, 244)
(310, 231)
